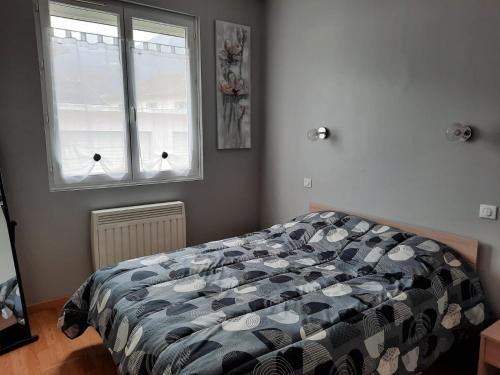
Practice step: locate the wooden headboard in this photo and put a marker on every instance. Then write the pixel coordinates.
(467, 247)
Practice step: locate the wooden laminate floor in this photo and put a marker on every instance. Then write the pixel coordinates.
(54, 354)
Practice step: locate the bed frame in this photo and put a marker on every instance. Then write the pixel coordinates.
(467, 247)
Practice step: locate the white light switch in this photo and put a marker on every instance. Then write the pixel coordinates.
(488, 212)
(308, 183)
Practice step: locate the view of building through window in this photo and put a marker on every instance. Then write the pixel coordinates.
(161, 73)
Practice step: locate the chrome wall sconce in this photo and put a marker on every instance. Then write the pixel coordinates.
(318, 133)
(458, 132)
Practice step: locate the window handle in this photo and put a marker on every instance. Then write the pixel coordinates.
(133, 114)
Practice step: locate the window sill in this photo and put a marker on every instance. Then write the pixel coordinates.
(56, 188)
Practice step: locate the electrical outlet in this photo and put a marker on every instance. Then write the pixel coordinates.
(488, 212)
(308, 182)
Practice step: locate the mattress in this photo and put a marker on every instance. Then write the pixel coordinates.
(324, 293)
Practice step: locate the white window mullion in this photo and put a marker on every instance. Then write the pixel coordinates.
(129, 97)
(134, 154)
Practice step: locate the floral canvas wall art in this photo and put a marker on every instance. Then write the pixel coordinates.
(233, 85)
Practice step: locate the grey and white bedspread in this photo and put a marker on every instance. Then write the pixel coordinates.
(326, 293)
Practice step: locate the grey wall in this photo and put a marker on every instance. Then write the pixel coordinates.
(53, 238)
(387, 77)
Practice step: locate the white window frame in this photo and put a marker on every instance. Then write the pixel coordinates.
(125, 10)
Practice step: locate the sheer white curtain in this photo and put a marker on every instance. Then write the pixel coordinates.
(90, 136)
(161, 76)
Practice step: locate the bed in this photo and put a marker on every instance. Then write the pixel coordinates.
(11, 309)
(329, 292)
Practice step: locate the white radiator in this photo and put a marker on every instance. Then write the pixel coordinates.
(131, 232)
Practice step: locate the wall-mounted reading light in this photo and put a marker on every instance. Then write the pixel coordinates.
(458, 132)
(319, 133)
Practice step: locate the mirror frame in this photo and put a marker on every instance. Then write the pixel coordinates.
(16, 335)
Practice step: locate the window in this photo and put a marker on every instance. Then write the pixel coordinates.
(122, 94)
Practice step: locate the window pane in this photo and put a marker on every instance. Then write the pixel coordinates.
(161, 83)
(88, 93)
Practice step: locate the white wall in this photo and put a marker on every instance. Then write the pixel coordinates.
(387, 77)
